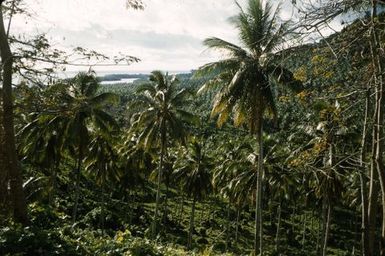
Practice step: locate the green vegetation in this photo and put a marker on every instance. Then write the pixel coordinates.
(267, 151)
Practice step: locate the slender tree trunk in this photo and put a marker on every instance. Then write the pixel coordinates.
(363, 181)
(292, 217)
(160, 170)
(53, 186)
(319, 230)
(211, 208)
(258, 243)
(181, 208)
(356, 234)
(228, 226)
(270, 210)
(378, 77)
(372, 202)
(77, 183)
(166, 201)
(324, 220)
(379, 162)
(327, 229)
(12, 162)
(237, 225)
(373, 187)
(131, 202)
(304, 232)
(326, 202)
(102, 214)
(279, 212)
(191, 229)
(11, 16)
(312, 219)
(202, 212)
(3, 170)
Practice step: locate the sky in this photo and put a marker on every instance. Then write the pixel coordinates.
(166, 35)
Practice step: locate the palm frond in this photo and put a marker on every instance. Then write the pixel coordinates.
(215, 68)
(146, 87)
(105, 98)
(159, 79)
(220, 44)
(187, 117)
(223, 117)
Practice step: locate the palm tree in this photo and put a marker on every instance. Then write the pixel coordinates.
(42, 143)
(42, 140)
(246, 79)
(84, 110)
(136, 163)
(101, 163)
(162, 118)
(282, 186)
(231, 166)
(75, 108)
(193, 172)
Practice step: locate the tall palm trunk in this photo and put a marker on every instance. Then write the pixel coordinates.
(363, 180)
(181, 207)
(202, 212)
(165, 213)
(12, 162)
(379, 159)
(304, 231)
(228, 227)
(160, 169)
(279, 212)
(77, 182)
(53, 181)
(319, 230)
(372, 199)
(103, 212)
(373, 187)
(191, 229)
(258, 242)
(326, 202)
(237, 225)
(378, 78)
(327, 216)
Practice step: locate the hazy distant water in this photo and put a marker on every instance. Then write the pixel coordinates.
(101, 74)
(68, 74)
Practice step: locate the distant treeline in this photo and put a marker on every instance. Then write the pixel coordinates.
(117, 77)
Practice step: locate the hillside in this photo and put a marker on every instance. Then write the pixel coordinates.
(154, 168)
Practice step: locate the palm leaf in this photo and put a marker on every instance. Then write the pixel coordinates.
(220, 44)
(105, 98)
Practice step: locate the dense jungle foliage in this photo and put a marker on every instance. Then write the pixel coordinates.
(267, 151)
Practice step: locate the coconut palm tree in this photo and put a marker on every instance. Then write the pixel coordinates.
(246, 77)
(85, 110)
(42, 139)
(193, 173)
(75, 109)
(162, 118)
(101, 163)
(42, 143)
(231, 164)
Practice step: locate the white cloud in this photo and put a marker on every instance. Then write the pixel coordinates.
(167, 34)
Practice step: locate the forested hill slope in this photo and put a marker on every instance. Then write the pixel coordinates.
(144, 169)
